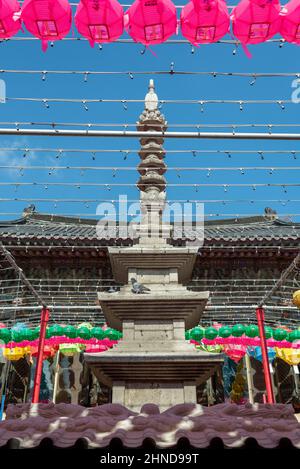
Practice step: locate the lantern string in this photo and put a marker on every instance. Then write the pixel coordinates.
(45, 73)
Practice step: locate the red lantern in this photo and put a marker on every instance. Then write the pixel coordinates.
(100, 21)
(255, 21)
(151, 21)
(48, 20)
(204, 21)
(10, 22)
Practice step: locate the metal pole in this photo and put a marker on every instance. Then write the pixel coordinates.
(249, 379)
(56, 375)
(154, 134)
(39, 361)
(265, 358)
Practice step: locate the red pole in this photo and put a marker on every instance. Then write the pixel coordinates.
(39, 361)
(260, 315)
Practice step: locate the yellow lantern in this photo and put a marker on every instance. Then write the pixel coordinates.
(70, 349)
(289, 355)
(15, 353)
(296, 298)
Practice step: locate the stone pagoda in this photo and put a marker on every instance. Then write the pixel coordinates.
(153, 363)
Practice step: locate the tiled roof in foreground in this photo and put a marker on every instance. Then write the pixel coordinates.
(49, 227)
(66, 424)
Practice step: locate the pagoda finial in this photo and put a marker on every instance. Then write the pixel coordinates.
(151, 99)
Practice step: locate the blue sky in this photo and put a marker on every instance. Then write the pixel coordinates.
(78, 55)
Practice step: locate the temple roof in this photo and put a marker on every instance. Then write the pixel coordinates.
(46, 227)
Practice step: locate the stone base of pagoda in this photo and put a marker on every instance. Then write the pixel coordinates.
(163, 378)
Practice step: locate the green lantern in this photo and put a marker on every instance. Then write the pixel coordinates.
(294, 335)
(56, 330)
(210, 333)
(252, 331)
(279, 334)
(238, 330)
(70, 331)
(112, 334)
(225, 331)
(84, 333)
(97, 332)
(197, 334)
(268, 332)
(36, 332)
(188, 335)
(5, 335)
(48, 333)
(17, 335)
(28, 334)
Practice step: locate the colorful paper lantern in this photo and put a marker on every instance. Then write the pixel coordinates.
(252, 331)
(97, 332)
(36, 332)
(268, 332)
(296, 298)
(5, 335)
(256, 353)
(88, 325)
(255, 21)
(289, 355)
(48, 20)
(70, 331)
(70, 349)
(10, 22)
(151, 22)
(209, 348)
(290, 31)
(84, 332)
(279, 334)
(225, 331)
(112, 334)
(56, 330)
(49, 351)
(235, 352)
(238, 330)
(197, 334)
(210, 333)
(294, 335)
(204, 21)
(99, 21)
(16, 353)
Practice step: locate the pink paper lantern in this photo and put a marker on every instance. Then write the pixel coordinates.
(100, 21)
(48, 20)
(10, 22)
(151, 21)
(290, 23)
(204, 21)
(255, 21)
(235, 352)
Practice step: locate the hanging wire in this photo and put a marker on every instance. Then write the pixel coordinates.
(45, 73)
(271, 169)
(60, 151)
(158, 126)
(161, 101)
(96, 184)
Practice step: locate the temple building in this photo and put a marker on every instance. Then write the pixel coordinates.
(85, 278)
